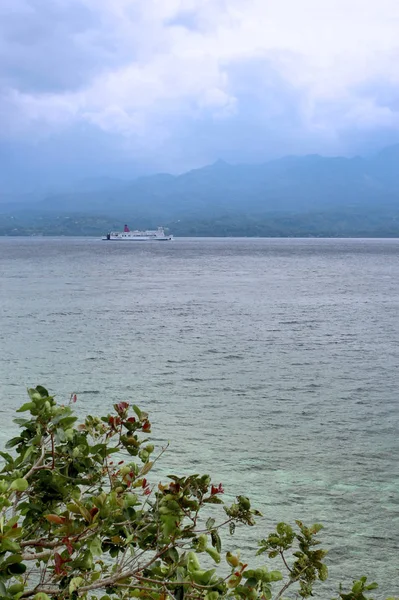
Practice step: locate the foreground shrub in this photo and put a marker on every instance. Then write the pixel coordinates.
(80, 518)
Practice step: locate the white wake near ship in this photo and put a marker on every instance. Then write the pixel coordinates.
(148, 235)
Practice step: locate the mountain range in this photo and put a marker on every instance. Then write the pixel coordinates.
(309, 195)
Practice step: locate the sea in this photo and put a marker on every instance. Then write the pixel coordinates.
(271, 364)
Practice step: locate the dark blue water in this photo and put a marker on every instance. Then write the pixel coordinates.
(271, 364)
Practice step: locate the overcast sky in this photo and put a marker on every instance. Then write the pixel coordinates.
(120, 87)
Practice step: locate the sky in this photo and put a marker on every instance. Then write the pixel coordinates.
(121, 88)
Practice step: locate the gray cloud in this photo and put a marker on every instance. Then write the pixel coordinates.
(87, 84)
(52, 46)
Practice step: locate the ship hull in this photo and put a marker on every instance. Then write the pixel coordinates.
(137, 239)
(138, 235)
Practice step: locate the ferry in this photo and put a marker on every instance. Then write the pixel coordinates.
(156, 235)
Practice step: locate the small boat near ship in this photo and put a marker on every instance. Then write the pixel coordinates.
(148, 235)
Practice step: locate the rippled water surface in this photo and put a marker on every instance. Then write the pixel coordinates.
(271, 364)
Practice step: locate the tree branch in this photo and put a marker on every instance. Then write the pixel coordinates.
(289, 583)
(37, 556)
(41, 543)
(285, 588)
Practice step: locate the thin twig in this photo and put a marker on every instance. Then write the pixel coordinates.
(38, 462)
(285, 562)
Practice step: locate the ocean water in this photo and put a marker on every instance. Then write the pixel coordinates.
(270, 364)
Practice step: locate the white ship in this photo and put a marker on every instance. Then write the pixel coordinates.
(148, 235)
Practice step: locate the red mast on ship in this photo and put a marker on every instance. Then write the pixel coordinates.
(126, 229)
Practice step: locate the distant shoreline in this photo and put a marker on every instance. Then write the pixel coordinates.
(209, 237)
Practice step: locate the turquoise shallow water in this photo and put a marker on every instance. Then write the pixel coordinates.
(271, 364)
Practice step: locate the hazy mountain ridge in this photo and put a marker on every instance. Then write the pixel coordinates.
(363, 190)
(290, 183)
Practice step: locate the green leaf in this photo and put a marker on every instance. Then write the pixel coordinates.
(213, 553)
(20, 485)
(8, 545)
(67, 422)
(34, 394)
(11, 522)
(28, 452)
(275, 576)
(252, 582)
(95, 547)
(216, 541)
(74, 584)
(17, 588)
(27, 406)
(244, 502)
(372, 586)
(193, 563)
(42, 391)
(267, 592)
(13, 442)
(137, 411)
(202, 543)
(282, 528)
(202, 577)
(213, 500)
(323, 573)
(232, 560)
(16, 569)
(21, 422)
(210, 523)
(357, 586)
(169, 526)
(7, 457)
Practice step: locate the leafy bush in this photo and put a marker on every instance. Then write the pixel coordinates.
(80, 518)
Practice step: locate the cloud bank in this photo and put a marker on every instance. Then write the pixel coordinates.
(170, 84)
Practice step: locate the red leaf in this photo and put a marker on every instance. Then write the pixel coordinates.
(131, 420)
(146, 426)
(121, 408)
(68, 545)
(58, 564)
(94, 511)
